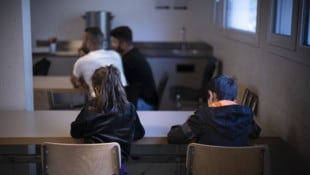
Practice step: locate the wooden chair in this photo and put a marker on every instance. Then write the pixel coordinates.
(240, 94)
(250, 99)
(66, 99)
(81, 159)
(220, 160)
(161, 87)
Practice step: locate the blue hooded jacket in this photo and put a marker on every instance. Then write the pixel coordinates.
(223, 126)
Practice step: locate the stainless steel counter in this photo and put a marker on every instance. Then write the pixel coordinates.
(153, 49)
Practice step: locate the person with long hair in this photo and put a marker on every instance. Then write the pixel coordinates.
(108, 117)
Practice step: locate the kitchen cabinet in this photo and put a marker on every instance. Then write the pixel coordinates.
(184, 71)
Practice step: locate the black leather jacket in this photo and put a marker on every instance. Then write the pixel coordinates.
(123, 127)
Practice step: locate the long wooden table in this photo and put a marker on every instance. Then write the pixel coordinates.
(22, 127)
(37, 127)
(43, 84)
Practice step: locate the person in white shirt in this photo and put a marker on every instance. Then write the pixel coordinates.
(97, 57)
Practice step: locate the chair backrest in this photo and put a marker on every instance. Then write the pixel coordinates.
(66, 99)
(220, 160)
(240, 94)
(218, 70)
(208, 72)
(81, 159)
(162, 85)
(41, 67)
(250, 99)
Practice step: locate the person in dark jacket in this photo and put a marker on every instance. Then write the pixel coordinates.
(137, 69)
(109, 117)
(221, 122)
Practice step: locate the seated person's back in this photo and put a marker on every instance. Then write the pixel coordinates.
(108, 117)
(137, 70)
(97, 57)
(220, 122)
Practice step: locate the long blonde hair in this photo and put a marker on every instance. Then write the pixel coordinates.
(110, 94)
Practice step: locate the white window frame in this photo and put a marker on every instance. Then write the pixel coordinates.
(290, 47)
(218, 14)
(235, 34)
(303, 51)
(283, 41)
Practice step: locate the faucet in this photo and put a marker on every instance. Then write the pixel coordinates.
(183, 37)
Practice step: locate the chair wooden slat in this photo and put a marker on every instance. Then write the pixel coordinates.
(81, 159)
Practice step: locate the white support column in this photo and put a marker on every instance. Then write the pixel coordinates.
(16, 87)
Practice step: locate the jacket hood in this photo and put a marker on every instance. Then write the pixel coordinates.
(230, 121)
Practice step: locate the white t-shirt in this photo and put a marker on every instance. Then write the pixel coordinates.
(85, 66)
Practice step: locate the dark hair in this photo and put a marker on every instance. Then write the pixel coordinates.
(224, 86)
(95, 35)
(83, 49)
(122, 33)
(112, 97)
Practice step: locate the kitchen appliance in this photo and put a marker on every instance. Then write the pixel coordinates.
(101, 19)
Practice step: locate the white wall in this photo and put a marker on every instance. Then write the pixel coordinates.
(281, 83)
(16, 89)
(63, 19)
(15, 69)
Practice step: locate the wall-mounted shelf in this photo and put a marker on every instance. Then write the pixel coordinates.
(172, 4)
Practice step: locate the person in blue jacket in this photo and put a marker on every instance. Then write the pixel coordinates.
(221, 122)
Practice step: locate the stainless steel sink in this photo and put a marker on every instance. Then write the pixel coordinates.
(185, 51)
